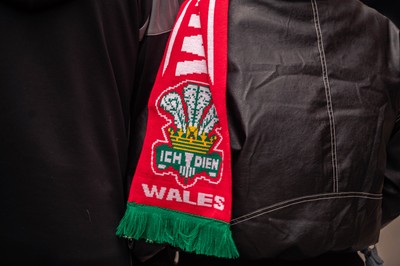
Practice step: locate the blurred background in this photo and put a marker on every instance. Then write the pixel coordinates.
(389, 8)
(389, 243)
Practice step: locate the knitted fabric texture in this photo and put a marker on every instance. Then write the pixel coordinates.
(181, 192)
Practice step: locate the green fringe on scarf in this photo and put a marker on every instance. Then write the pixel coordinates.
(189, 232)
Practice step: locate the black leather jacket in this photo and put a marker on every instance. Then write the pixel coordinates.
(313, 104)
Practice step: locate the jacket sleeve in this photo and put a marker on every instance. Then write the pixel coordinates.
(391, 188)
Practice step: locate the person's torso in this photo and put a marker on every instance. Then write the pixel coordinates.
(67, 77)
(312, 99)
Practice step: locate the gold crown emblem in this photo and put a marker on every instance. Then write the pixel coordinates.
(191, 141)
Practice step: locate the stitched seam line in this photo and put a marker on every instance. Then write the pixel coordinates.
(328, 96)
(314, 196)
(332, 196)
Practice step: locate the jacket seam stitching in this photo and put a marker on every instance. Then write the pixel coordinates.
(305, 199)
(328, 95)
(314, 196)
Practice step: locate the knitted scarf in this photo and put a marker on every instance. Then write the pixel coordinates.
(181, 190)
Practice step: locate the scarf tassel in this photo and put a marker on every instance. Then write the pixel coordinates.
(189, 232)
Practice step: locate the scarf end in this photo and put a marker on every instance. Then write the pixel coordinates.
(188, 232)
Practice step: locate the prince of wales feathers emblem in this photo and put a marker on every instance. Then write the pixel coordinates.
(189, 152)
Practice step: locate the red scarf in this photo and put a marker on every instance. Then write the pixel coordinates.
(181, 190)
